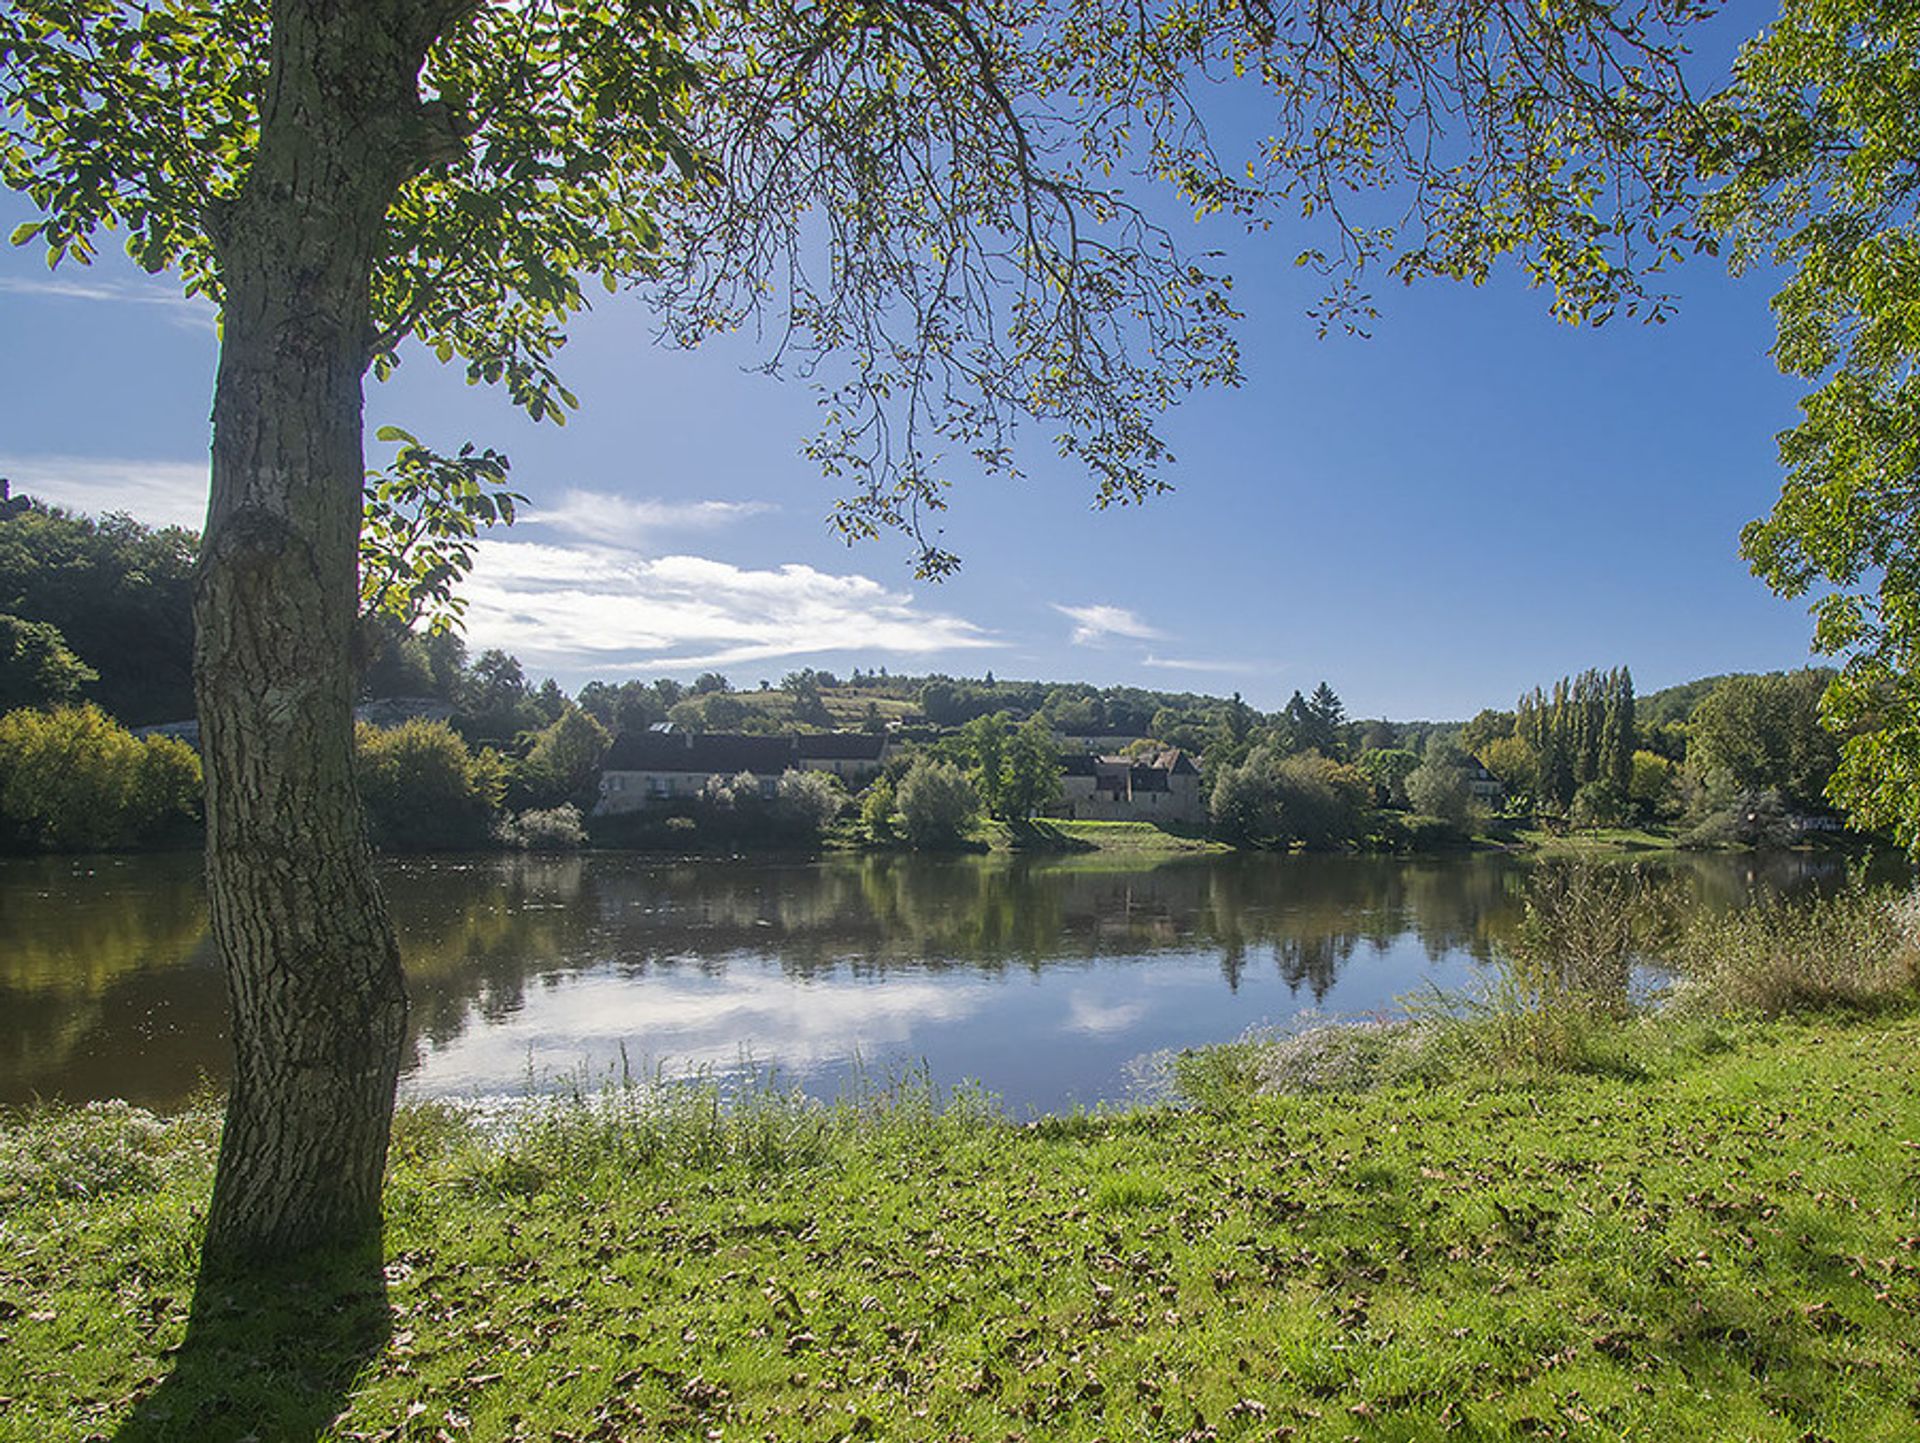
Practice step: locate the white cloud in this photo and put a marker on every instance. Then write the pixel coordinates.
(610, 610)
(623, 521)
(190, 309)
(1092, 623)
(160, 493)
(560, 605)
(1179, 663)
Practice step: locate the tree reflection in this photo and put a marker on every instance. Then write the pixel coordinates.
(107, 987)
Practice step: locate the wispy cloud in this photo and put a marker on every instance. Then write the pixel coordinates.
(1094, 623)
(1181, 663)
(160, 493)
(596, 607)
(603, 517)
(188, 309)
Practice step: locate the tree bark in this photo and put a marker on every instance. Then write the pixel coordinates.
(313, 973)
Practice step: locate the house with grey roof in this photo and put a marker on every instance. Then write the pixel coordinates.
(649, 768)
(1159, 786)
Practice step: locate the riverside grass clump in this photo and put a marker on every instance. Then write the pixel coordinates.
(1858, 949)
(1725, 1245)
(1600, 972)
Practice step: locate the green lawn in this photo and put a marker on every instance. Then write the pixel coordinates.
(1133, 837)
(1595, 840)
(1719, 1239)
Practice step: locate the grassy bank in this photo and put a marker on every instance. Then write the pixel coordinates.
(1133, 838)
(1716, 1236)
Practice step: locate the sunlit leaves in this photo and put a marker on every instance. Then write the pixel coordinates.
(935, 208)
(418, 528)
(1818, 152)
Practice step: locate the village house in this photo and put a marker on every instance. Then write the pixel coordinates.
(644, 769)
(854, 757)
(1158, 787)
(1482, 784)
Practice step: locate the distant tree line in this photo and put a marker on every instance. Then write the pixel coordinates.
(96, 631)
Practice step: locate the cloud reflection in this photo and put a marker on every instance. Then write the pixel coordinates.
(581, 1024)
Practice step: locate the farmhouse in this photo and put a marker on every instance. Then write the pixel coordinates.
(854, 757)
(1482, 784)
(645, 768)
(1159, 787)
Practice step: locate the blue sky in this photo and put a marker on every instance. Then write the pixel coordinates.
(1474, 501)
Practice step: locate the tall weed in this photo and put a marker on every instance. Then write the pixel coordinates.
(1565, 980)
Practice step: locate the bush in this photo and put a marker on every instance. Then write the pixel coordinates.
(423, 788)
(563, 764)
(1401, 832)
(1438, 788)
(1857, 949)
(1320, 800)
(808, 802)
(555, 829)
(1245, 803)
(938, 805)
(1567, 972)
(876, 810)
(1598, 804)
(1305, 799)
(1724, 815)
(76, 780)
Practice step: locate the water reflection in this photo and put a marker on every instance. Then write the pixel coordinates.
(1040, 977)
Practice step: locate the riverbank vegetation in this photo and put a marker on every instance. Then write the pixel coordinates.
(1699, 1221)
(473, 745)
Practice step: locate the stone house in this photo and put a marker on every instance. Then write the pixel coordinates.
(1482, 784)
(643, 769)
(854, 757)
(1159, 787)
(647, 768)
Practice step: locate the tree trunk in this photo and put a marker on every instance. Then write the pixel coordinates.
(313, 973)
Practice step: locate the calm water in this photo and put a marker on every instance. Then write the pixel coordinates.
(1039, 978)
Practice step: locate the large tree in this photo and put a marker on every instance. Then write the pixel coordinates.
(929, 200)
(1819, 158)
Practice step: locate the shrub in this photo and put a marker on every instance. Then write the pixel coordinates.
(1724, 815)
(104, 1149)
(1567, 972)
(938, 805)
(1305, 799)
(424, 789)
(808, 802)
(1438, 788)
(74, 779)
(876, 810)
(1598, 804)
(1320, 800)
(563, 764)
(1244, 806)
(37, 667)
(554, 829)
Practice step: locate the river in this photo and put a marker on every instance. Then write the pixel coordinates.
(1041, 979)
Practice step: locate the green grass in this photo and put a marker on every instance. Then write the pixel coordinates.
(1717, 1239)
(1135, 836)
(1595, 840)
